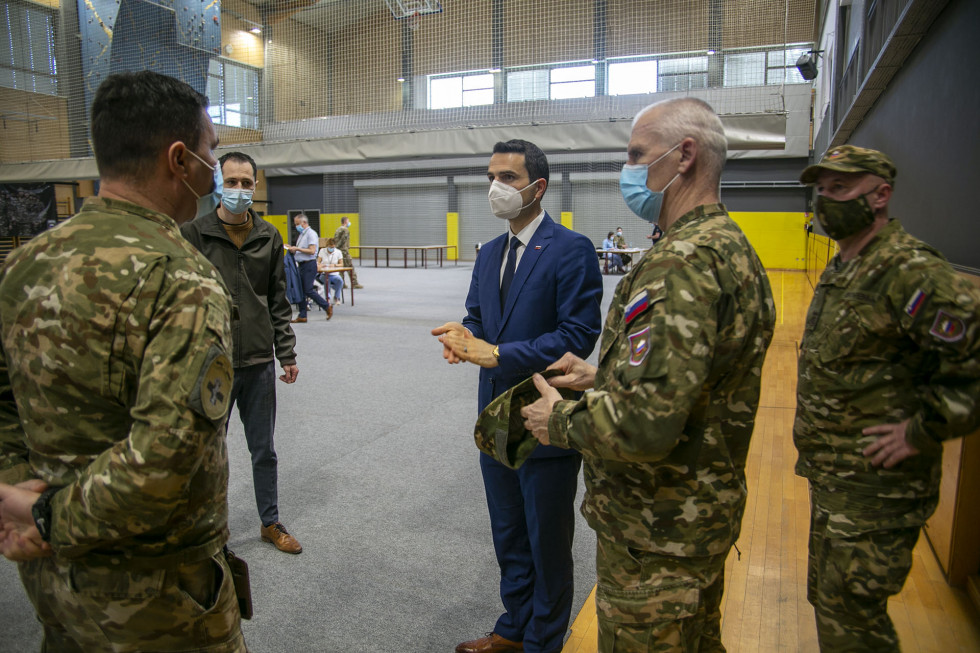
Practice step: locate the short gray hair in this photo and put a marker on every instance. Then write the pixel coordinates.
(691, 117)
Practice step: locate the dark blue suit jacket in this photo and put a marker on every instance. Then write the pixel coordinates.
(553, 307)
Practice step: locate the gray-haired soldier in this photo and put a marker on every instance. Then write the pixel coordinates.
(114, 386)
(889, 368)
(666, 432)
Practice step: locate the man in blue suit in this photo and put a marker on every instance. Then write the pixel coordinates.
(534, 294)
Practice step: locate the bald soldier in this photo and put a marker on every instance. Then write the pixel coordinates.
(115, 380)
(889, 369)
(665, 433)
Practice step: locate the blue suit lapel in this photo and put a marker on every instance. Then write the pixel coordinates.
(491, 277)
(532, 254)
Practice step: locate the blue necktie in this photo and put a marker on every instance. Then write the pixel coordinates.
(509, 270)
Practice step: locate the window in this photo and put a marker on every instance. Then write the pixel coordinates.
(683, 74)
(445, 92)
(626, 75)
(525, 85)
(460, 91)
(27, 60)
(745, 69)
(572, 82)
(477, 89)
(631, 77)
(233, 90)
(781, 66)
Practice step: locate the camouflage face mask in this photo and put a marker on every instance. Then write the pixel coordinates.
(841, 219)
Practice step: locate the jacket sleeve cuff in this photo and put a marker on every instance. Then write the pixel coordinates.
(916, 435)
(558, 423)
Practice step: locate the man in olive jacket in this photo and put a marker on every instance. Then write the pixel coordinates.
(248, 252)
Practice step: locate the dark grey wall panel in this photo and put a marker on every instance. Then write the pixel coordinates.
(289, 193)
(339, 195)
(765, 199)
(927, 122)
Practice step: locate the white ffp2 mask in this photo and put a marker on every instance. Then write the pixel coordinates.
(505, 201)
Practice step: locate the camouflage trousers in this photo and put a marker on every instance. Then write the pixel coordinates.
(85, 608)
(349, 263)
(860, 554)
(647, 601)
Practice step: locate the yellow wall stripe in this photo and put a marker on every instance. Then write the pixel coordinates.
(452, 235)
(567, 220)
(778, 238)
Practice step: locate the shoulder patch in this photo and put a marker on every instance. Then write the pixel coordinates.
(212, 393)
(639, 346)
(636, 306)
(915, 303)
(948, 328)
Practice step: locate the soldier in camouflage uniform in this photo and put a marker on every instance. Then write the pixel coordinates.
(342, 238)
(115, 380)
(889, 368)
(665, 433)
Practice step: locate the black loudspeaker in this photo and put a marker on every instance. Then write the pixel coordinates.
(807, 65)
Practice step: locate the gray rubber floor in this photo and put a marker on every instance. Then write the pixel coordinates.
(379, 481)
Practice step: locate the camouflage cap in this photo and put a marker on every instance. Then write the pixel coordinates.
(850, 158)
(500, 431)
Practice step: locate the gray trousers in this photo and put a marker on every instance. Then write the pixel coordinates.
(254, 391)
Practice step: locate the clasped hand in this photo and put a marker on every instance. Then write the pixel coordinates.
(460, 345)
(19, 539)
(578, 375)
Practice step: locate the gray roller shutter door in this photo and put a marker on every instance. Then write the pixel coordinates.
(402, 215)
(599, 208)
(477, 224)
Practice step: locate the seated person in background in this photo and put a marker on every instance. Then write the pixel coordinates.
(619, 240)
(331, 257)
(614, 259)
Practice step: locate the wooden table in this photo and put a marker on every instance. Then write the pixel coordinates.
(416, 249)
(340, 270)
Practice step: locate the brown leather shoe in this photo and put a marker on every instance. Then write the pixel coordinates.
(329, 311)
(299, 320)
(492, 643)
(280, 537)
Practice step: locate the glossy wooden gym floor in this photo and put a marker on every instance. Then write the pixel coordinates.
(765, 608)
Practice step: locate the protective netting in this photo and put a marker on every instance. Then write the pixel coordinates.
(300, 70)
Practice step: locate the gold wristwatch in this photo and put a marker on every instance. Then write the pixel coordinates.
(496, 352)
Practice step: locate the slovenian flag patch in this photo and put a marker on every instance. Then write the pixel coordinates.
(639, 345)
(636, 306)
(915, 303)
(948, 328)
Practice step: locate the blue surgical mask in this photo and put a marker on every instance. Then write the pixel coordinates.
(299, 228)
(208, 203)
(330, 249)
(633, 185)
(236, 200)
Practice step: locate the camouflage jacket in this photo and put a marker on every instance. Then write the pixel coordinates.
(666, 431)
(115, 384)
(890, 335)
(341, 238)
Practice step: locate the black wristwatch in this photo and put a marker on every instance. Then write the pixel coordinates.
(41, 511)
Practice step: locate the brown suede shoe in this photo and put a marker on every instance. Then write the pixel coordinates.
(492, 643)
(299, 320)
(280, 537)
(329, 311)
